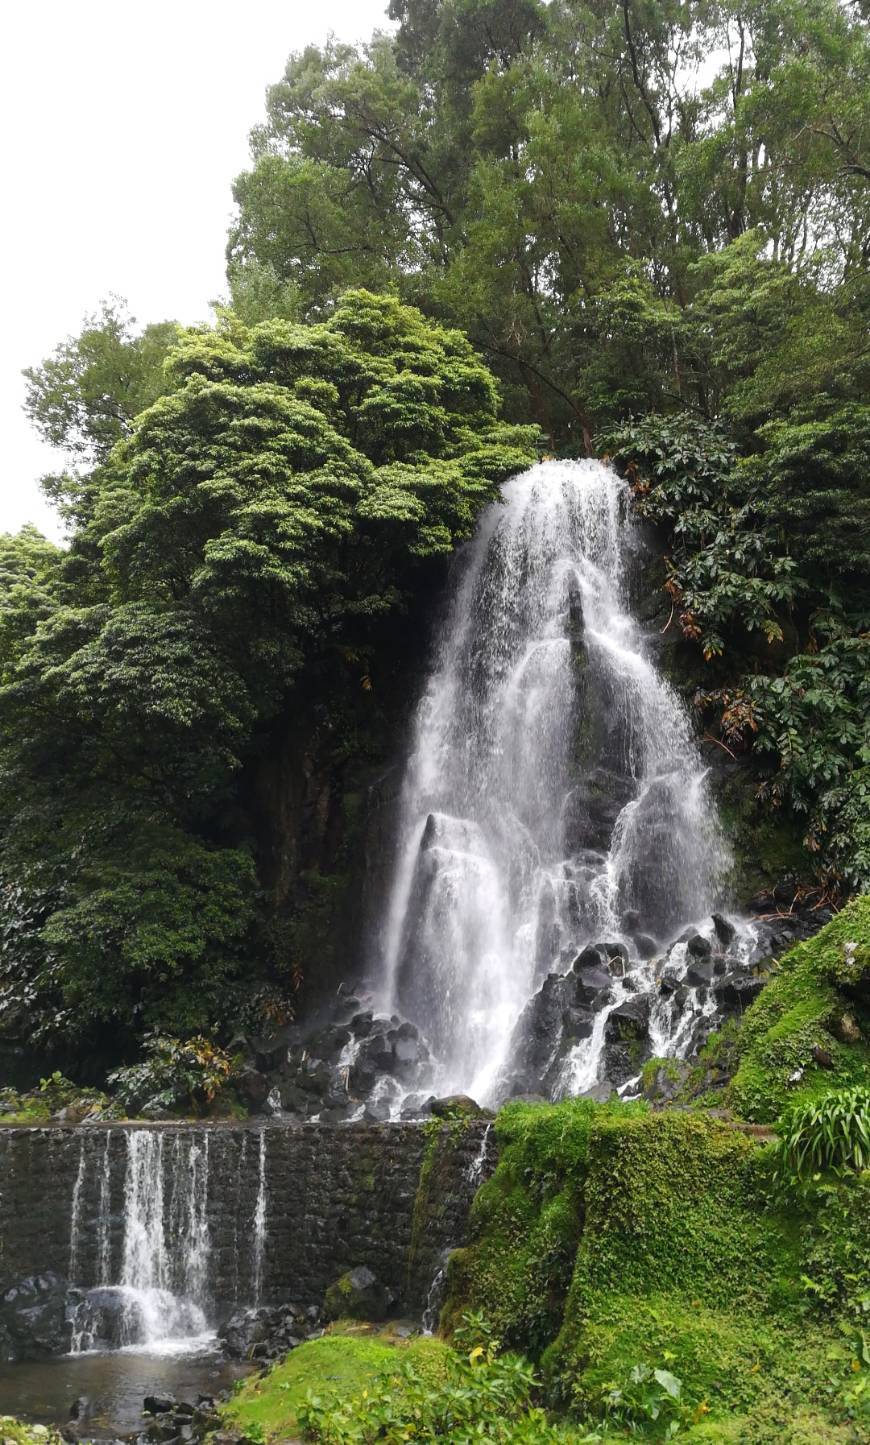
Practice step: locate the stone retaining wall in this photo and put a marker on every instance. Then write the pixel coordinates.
(336, 1196)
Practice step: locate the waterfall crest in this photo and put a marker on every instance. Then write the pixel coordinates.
(553, 795)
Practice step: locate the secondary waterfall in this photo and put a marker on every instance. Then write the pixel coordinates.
(160, 1294)
(552, 795)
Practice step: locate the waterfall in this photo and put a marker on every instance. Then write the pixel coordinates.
(104, 1221)
(160, 1298)
(75, 1215)
(552, 795)
(260, 1221)
(478, 1163)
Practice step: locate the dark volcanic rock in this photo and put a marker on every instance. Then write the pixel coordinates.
(589, 957)
(591, 985)
(358, 1295)
(457, 1106)
(665, 1082)
(697, 946)
(629, 1020)
(35, 1318)
(268, 1333)
(725, 931)
(700, 973)
(736, 991)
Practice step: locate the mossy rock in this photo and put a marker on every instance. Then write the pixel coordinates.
(339, 1365)
(358, 1295)
(16, 1432)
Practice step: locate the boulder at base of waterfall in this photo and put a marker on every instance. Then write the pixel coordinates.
(697, 946)
(416, 1106)
(158, 1404)
(358, 1295)
(34, 1318)
(577, 1024)
(663, 1083)
(700, 973)
(253, 1086)
(614, 952)
(629, 1020)
(589, 957)
(591, 986)
(725, 931)
(736, 991)
(269, 1332)
(599, 1093)
(458, 1106)
(644, 946)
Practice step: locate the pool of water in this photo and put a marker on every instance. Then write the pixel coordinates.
(115, 1384)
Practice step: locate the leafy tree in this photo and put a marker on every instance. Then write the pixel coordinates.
(287, 491)
(85, 396)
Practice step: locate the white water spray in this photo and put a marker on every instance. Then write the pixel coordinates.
(552, 783)
(260, 1221)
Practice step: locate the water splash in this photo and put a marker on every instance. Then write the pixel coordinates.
(552, 783)
(160, 1300)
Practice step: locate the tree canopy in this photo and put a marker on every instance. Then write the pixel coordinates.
(251, 526)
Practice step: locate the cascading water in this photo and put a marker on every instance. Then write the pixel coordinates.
(160, 1298)
(553, 794)
(260, 1221)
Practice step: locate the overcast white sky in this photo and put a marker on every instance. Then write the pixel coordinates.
(122, 125)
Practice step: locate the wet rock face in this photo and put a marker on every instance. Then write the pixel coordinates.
(349, 1064)
(269, 1333)
(35, 1318)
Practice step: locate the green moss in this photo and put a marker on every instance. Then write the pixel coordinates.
(800, 1011)
(52, 1095)
(526, 1223)
(438, 1172)
(612, 1236)
(16, 1432)
(338, 1364)
(668, 1067)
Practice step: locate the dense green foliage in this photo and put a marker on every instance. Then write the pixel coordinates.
(481, 1394)
(653, 220)
(829, 1136)
(234, 560)
(184, 1075)
(356, 1386)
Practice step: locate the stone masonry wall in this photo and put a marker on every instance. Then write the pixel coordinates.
(391, 1196)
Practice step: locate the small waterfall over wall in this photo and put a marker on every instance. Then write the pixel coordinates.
(163, 1230)
(552, 790)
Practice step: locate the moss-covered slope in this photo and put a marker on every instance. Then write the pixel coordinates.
(809, 1031)
(613, 1237)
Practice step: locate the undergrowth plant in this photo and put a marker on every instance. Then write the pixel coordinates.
(480, 1395)
(175, 1074)
(830, 1135)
